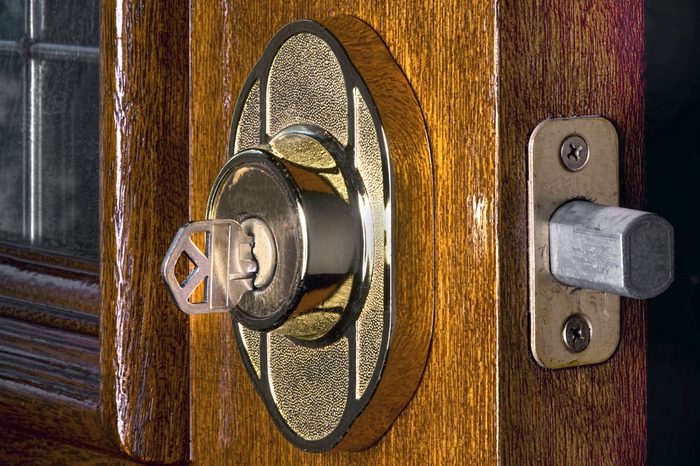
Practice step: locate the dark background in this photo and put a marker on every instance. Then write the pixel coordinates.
(673, 176)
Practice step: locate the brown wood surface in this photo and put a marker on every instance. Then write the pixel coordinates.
(485, 73)
(564, 59)
(62, 287)
(143, 337)
(49, 382)
(27, 449)
(96, 355)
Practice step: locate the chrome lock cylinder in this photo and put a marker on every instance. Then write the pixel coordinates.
(307, 210)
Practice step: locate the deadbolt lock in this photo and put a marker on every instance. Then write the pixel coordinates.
(283, 240)
(300, 243)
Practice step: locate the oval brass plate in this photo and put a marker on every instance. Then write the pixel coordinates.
(339, 77)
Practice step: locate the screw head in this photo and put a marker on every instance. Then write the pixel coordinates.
(576, 333)
(574, 153)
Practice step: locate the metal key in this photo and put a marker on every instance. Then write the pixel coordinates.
(227, 266)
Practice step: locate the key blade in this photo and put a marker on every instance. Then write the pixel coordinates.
(226, 266)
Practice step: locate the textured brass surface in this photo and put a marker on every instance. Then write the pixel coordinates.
(550, 184)
(248, 130)
(309, 385)
(306, 86)
(309, 153)
(320, 122)
(370, 322)
(250, 340)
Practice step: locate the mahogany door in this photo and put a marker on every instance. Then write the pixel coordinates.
(173, 389)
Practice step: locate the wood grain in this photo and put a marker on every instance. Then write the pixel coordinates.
(49, 285)
(49, 382)
(26, 449)
(565, 59)
(485, 74)
(48, 258)
(49, 352)
(143, 336)
(119, 385)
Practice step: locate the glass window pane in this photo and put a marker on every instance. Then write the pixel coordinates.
(12, 165)
(11, 19)
(49, 125)
(74, 22)
(68, 118)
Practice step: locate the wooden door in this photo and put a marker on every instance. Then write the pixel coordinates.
(485, 74)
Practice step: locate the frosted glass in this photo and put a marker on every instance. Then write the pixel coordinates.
(11, 19)
(68, 116)
(12, 170)
(74, 22)
(49, 125)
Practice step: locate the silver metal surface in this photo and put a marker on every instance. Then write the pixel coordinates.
(576, 333)
(225, 268)
(296, 189)
(622, 251)
(264, 250)
(254, 185)
(574, 152)
(550, 185)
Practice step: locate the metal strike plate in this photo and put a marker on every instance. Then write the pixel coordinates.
(592, 174)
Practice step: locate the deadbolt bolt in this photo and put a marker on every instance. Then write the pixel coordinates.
(611, 249)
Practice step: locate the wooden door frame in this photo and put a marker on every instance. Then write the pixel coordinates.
(567, 59)
(143, 336)
(98, 356)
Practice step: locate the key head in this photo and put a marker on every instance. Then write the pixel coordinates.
(226, 266)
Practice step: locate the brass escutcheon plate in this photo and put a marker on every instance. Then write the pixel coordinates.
(338, 78)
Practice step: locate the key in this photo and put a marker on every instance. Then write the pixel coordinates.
(227, 266)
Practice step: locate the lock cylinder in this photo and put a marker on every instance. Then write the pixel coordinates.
(309, 223)
(299, 242)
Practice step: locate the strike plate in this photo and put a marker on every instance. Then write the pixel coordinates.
(550, 184)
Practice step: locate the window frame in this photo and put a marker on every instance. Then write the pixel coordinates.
(96, 354)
